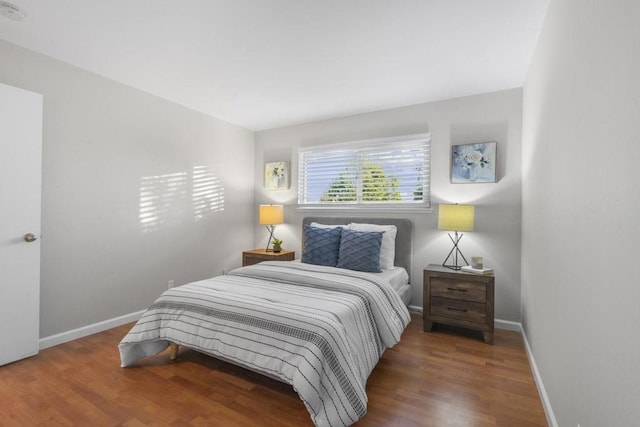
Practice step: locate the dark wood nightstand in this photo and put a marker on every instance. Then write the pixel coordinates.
(457, 298)
(255, 256)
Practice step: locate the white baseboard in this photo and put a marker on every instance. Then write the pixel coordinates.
(508, 325)
(84, 331)
(546, 404)
(415, 309)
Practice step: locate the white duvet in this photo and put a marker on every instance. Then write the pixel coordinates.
(320, 329)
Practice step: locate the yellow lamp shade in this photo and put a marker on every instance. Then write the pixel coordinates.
(271, 214)
(456, 217)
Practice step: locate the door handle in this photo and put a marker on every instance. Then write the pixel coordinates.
(30, 237)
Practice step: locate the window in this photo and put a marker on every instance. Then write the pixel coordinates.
(381, 173)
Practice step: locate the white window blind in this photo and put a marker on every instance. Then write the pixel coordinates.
(390, 172)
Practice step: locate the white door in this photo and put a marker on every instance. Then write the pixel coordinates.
(20, 181)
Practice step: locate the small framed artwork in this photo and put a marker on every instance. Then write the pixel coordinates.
(473, 163)
(276, 176)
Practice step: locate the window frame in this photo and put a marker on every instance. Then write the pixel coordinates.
(364, 145)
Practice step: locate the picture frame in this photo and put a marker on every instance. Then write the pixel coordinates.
(473, 163)
(276, 175)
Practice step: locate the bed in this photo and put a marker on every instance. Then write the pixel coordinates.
(320, 328)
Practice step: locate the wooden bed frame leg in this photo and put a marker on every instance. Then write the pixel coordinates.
(173, 348)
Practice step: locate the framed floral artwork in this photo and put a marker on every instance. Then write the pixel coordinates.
(276, 176)
(473, 163)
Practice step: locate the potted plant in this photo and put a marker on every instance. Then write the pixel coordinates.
(277, 245)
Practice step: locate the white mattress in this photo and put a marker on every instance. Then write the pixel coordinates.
(398, 278)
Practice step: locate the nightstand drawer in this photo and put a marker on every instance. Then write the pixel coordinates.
(457, 309)
(250, 260)
(262, 257)
(255, 256)
(458, 289)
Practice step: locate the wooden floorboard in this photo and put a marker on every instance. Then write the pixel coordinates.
(448, 377)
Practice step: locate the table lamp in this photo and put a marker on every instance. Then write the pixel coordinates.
(455, 218)
(270, 216)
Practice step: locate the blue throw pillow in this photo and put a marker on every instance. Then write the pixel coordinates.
(360, 250)
(321, 245)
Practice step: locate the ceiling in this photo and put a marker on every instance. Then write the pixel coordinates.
(263, 64)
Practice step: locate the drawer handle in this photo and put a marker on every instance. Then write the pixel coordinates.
(464, 310)
(455, 289)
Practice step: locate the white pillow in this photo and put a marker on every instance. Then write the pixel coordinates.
(388, 248)
(318, 225)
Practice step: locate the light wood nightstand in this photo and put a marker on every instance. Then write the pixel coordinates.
(255, 256)
(457, 298)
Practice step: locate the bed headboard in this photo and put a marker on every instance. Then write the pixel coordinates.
(404, 238)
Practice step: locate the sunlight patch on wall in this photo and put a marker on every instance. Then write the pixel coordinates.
(207, 193)
(162, 198)
(174, 198)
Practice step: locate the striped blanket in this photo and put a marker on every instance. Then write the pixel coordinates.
(320, 329)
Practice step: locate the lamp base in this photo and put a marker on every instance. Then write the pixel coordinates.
(271, 228)
(453, 253)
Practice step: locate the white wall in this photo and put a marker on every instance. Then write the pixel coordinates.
(108, 153)
(581, 204)
(495, 116)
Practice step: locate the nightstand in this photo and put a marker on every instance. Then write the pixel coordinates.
(255, 256)
(457, 298)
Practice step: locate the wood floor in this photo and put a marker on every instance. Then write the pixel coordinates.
(445, 378)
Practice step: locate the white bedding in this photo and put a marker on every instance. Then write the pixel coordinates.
(398, 278)
(405, 294)
(321, 329)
